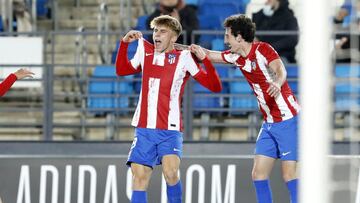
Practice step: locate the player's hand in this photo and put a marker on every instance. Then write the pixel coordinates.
(198, 51)
(23, 73)
(131, 36)
(274, 89)
(339, 43)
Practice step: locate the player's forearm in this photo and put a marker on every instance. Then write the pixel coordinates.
(212, 80)
(214, 56)
(123, 65)
(7, 83)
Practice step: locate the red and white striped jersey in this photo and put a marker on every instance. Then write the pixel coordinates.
(163, 81)
(255, 69)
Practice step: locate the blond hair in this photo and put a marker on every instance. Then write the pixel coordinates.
(167, 21)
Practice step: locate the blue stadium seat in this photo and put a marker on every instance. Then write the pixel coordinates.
(204, 102)
(41, 8)
(346, 88)
(192, 2)
(209, 22)
(141, 23)
(96, 102)
(243, 103)
(346, 71)
(292, 71)
(1, 24)
(246, 103)
(218, 44)
(294, 86)
(221, 9)
(131, 51)
(239, 4)
(114, 88)
(346, 103)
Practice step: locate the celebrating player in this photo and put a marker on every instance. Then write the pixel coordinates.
(266, 74)
(9, 81)
(165, 70)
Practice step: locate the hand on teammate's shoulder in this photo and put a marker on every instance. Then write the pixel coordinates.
(198, 51)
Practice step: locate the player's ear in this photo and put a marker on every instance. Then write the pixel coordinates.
(174, 38)
(239, 38)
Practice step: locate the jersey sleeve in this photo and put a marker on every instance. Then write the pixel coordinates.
(207, 78)
(7, 83)
(190, 65)
(229, 57)
(123, 65)
(268, 52)
(136, 61)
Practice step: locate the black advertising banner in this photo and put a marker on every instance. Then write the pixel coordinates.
(106, 179)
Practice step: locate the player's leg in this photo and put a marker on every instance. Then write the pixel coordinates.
(265, 155)
(260, 176)
(142, 158)
(171, 164)
(140, 182)
(290, 177)
(287, 138)
(170, 152)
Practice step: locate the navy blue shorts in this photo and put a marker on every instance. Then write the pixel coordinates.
(279, 140)
(150, 145)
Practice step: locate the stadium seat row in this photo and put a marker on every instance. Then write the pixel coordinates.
(114, 92)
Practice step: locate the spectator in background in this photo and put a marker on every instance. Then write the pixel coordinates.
(186, 14)
(277, 16)
(343, 42)
(342, 15)
(21, 17)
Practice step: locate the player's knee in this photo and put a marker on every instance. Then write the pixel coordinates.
(288, 175)
(259, 175)
(140, 180)
(171, 175)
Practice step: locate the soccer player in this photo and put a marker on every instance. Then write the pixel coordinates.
(157, 119)
(9, 81)
(266, 75)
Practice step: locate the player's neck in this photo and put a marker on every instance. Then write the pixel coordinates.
(166, 50)
(245, 49)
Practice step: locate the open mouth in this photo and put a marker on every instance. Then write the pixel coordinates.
(157, 42)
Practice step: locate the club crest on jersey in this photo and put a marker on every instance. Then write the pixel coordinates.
(171, 58)
(253, 65)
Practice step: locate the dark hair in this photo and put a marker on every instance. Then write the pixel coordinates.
(240, 24)
(168, 21)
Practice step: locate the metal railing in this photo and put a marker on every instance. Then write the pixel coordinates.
(206, 118)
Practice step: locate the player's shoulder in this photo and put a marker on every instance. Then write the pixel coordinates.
(145, 43)
(186, 54)
(263, 46)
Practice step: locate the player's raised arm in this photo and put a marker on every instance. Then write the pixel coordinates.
(209, 78)
(123, 65)
(213, 56)
(9, 81)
